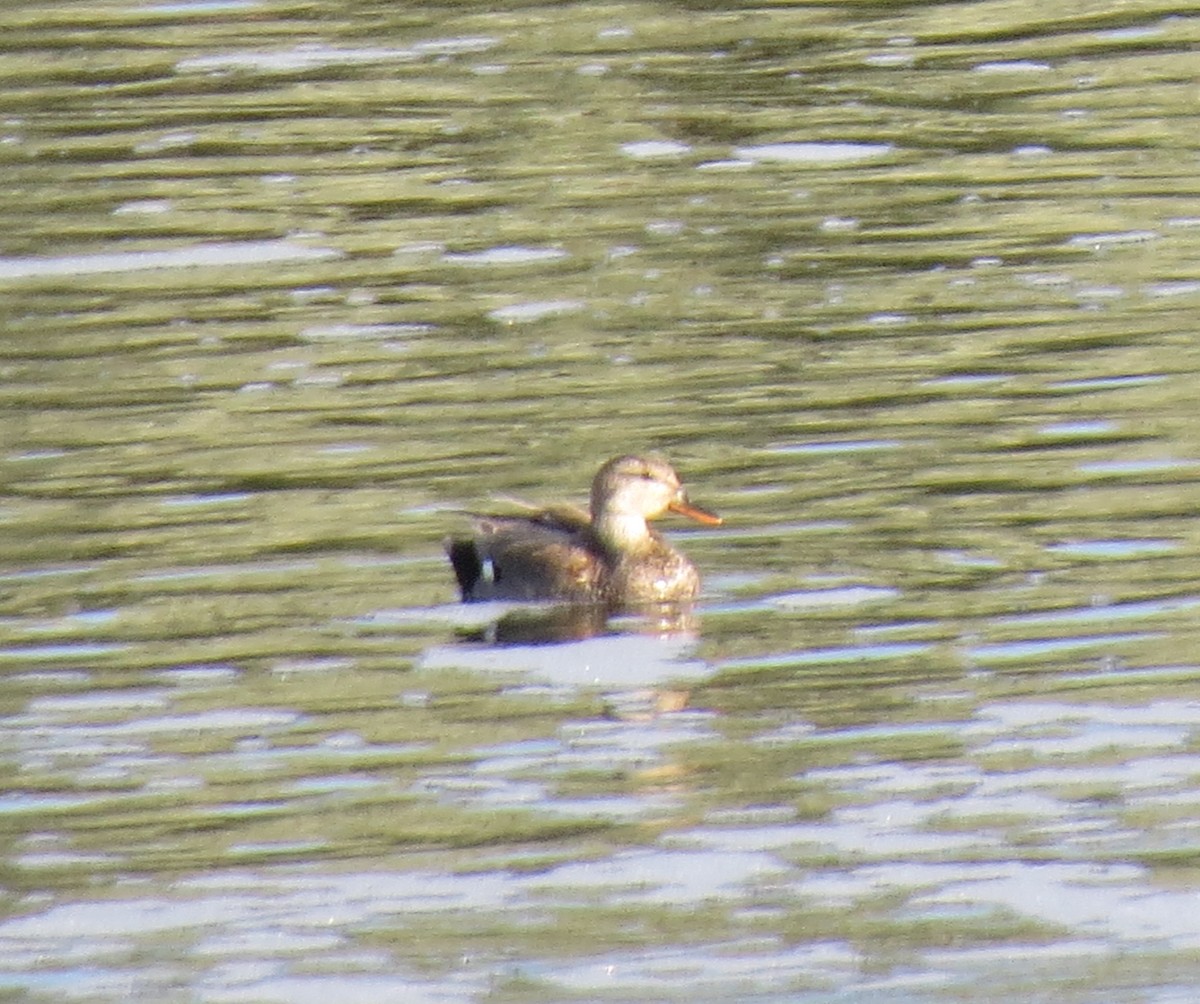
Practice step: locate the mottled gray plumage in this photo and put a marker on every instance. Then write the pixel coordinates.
(610, 555)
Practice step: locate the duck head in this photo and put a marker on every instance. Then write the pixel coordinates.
(633, 488)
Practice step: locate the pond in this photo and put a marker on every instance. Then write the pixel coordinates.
(907, 293)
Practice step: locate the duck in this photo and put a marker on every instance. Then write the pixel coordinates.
(607, 554)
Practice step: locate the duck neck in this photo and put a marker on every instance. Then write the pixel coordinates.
(623, 533)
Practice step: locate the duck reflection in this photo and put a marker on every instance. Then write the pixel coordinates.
(576, 622)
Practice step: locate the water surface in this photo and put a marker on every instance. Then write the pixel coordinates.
(908, 294)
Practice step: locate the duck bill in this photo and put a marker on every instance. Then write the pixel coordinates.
(696, 513)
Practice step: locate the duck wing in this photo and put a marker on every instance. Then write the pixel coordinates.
(544, 556)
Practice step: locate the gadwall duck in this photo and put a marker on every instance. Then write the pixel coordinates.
(608, 555)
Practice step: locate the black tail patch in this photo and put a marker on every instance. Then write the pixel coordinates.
(464, 559)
